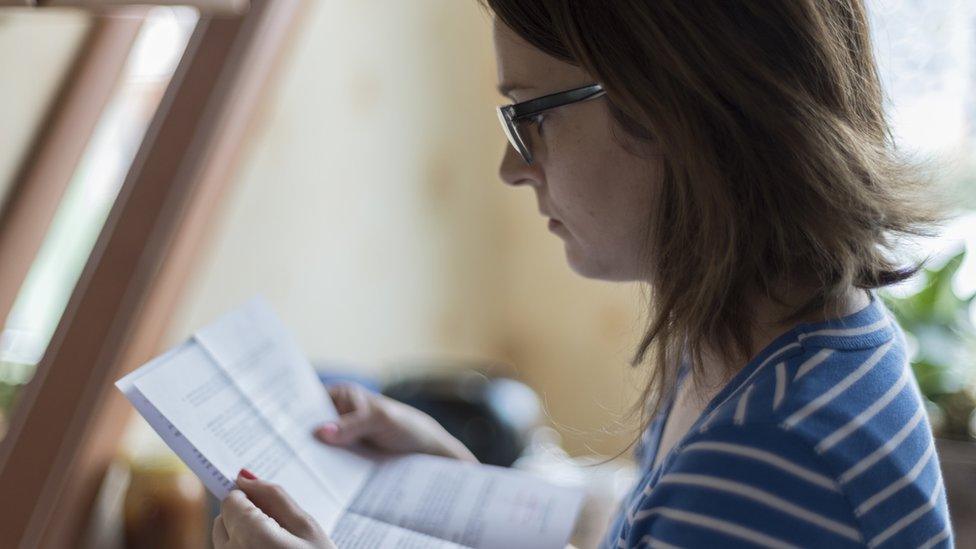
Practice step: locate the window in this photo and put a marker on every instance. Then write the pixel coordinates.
(146, 207)
(926, 52)
(89, 197)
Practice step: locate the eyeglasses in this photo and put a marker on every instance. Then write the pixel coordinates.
(511, 115)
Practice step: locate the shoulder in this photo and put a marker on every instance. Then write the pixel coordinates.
(825, 442)
(859, 407)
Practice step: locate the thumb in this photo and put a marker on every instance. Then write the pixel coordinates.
(345, 430)
(277, 504)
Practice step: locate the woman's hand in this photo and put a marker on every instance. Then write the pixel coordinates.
(387, 425)
(262, 515)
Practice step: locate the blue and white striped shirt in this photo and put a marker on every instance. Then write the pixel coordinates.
(821, 440)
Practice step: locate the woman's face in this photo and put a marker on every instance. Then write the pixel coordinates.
(597, 193)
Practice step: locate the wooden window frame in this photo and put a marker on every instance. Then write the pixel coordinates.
(66, 427)
(58, 145)
(227, 7)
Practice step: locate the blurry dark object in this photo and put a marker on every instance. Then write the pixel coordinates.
(165, 506)
(492, 416)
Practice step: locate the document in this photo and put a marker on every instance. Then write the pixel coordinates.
(240, 394)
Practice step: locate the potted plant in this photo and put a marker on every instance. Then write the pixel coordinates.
(942, 342)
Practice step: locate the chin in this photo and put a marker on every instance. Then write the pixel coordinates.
(589, 266)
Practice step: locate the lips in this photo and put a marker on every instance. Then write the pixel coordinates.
(552, 220)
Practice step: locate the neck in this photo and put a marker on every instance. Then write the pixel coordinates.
(767, 326)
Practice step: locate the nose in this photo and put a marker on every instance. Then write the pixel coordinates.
(514, 171)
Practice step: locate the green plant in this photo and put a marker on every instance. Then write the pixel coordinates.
(937, 323)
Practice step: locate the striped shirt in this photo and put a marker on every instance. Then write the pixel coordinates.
(821, 440)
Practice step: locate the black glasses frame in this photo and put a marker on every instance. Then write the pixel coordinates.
(511, 115)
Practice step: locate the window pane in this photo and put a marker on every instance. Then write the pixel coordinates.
(926, 52)
(31, 76)
(89, 197)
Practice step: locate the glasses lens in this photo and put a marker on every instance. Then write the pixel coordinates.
(514, 136)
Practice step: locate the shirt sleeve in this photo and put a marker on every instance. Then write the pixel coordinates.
(743, 486)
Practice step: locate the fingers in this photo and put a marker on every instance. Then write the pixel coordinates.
(277, 504)
(346, 430)
(348, 397)
(219, 534)
(261, 514)
(357, 416)
(238, 513)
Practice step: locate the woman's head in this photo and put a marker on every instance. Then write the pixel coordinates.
(597, 193)
(741, 151)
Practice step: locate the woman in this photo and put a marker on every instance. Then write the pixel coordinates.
(734, 157)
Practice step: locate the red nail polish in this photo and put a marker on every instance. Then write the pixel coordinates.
(247, 474)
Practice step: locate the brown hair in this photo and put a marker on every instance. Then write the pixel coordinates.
(778, 161)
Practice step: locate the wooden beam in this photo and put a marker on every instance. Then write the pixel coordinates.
(210, 7)
(130, 287)
(58, 146)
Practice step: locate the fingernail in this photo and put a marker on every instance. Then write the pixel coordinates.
(328, 429)
(247, 474)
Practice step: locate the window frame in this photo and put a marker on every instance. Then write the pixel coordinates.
(65, 430)
(58, 146)
(227, 7)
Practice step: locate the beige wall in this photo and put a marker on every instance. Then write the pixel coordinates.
(369, 213)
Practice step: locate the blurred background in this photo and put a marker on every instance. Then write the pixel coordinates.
(362, 201)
